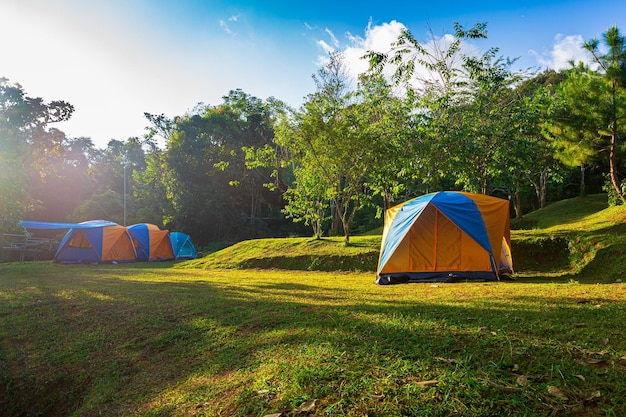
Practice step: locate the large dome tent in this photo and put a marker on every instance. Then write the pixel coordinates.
(445, 236)
(91, 241)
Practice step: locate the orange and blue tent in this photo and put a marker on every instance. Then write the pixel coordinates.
(90, 241)
(445, 236)
(153, 243)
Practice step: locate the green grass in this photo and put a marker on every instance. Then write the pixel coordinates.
(212, 338)
(308, 254)
(580, 239)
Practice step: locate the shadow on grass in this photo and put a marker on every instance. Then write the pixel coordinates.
(114, 345)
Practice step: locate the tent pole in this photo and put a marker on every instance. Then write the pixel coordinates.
(124, 190)
(494, 266)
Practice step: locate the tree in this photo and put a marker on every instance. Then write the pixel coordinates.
(611, 104)
(327, 140)
(307, 200)
(28, 148)
(570, 125)
(207, 172)
(388, 123)
(464, 102)
(489, 117)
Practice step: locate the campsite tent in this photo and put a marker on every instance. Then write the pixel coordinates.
(91, 241)
(446, 236)
(182, 246)
(153, 244)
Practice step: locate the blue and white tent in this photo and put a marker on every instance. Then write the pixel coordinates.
(182, 246)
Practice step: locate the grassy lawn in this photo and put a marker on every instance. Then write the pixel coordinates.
(216, 338)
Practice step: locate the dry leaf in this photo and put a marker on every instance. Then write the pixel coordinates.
(594, 395)
(605, 341)
(273, 415)
(263, 391)
(554, 391)
(446, 360)
(522, 380)
(504, 388)
(308, 406)
(582, 378)
(516, 368)
(623, 358)
(430, 383)
(378, 396)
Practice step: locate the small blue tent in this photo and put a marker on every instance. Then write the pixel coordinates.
(182, 246)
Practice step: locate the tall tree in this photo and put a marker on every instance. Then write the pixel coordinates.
(327, 139)
(612, 103)
(570, 125)
(389, 124)
(28, 148)
(207, 171)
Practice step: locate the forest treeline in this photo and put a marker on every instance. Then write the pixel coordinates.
(425, 117)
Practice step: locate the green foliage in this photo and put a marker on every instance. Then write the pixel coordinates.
(613, 197)
(331, 149)
(212, 192)
(28, 149)
(307, 200)
(107, 206)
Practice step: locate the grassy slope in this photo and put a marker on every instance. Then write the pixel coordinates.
(328, 254)
(584, 240)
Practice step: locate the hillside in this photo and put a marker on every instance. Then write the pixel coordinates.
(578, 238)
(308, 254)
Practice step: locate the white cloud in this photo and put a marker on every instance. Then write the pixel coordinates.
(377, 38)
(333, 38)
(564, 49)
(380, 38)
(328, 49)
(226, 28)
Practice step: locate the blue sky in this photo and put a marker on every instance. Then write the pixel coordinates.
(116, 59)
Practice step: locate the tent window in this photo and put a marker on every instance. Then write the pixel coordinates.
(79, 241)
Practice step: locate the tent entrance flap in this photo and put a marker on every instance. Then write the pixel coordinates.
(79, 241)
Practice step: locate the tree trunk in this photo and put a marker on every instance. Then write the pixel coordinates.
(517, 202)
(582, 180)
(543, 187)
(613, 164)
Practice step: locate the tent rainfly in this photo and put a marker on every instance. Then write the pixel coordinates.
(182, 246)
(153, 244)
(446, 236)
(91, 241)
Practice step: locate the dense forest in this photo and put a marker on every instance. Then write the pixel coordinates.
(420, 120)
